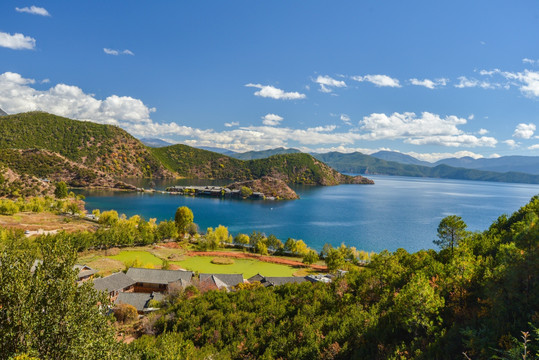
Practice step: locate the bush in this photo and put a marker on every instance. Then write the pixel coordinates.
(125, 313)
(222, 261)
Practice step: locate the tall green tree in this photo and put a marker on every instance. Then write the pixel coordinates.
(451, 231)
(61, 190)
(45, 313)
(184, 216)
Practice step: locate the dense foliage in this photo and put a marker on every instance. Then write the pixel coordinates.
(476, 298)
(44, 312)
(359, 163)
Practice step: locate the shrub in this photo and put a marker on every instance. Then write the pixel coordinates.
(125, 313)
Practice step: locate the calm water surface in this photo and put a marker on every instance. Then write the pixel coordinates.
(396, 212)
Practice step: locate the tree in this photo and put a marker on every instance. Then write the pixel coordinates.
(167, 230)
(184, 216)
(242, 239)
(246, 192)
(334, 259)
(45, 312)
(61, 190)
(450, 231)
(310, 258)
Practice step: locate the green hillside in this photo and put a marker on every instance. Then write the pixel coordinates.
(359, 163)
(101, 147)
(296, 168)
(252, 155)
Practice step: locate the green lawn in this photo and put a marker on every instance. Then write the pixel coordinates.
(144, 257)
(248, 268)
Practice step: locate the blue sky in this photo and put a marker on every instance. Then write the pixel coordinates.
(432, 79)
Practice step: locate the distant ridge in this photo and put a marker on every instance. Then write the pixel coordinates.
(400, 158)
(262, 154)
(152, 142)
(2, 113)
(217, 150)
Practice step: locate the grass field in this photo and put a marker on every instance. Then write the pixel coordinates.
(144, 257)
(248, 268)
(153, 257)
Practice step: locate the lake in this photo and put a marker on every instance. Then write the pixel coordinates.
(396, 212)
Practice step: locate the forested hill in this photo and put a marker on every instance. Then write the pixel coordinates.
(99, 147)
(291, 168)
(364, 164)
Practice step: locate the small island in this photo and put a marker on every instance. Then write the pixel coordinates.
(266, 188)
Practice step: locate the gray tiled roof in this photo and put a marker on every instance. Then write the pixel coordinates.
(138, 300)
(228, 279)
(84, 270)
(276, 281)
(156, 276)
(114, 282)
(256, 277)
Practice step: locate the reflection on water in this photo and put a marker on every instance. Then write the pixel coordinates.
(397, 212)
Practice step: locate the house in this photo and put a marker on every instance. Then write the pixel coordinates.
(157, 280)
(276, 281)
(219, 281)
(319, 278)
(140, 301)
(115, 284)
(85, 272)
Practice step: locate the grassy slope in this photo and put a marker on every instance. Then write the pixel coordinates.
(100, 147)
(365, 164)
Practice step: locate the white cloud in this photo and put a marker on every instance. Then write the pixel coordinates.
(118, 52)
(326, 83)
(345, 118)
(524, 131)
(483, 131)
(528, 82)
(34, 10)
(430, 84)
(232, 124)
(268, 91)
(465, 82)
(533, 147)
(271, 119)
(511, 143)
(378, 80)
(45, 81)
(429, 129)
(471, 117)
(433, 157)
(17, 41)
(529, 61)
(17, 96)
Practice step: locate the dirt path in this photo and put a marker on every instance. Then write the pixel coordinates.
(270, 259)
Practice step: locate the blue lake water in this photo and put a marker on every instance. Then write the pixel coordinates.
(396, 212)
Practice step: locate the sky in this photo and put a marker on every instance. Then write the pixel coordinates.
(433, 79)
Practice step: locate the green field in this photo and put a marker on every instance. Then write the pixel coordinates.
(248, 268)
(145, 257)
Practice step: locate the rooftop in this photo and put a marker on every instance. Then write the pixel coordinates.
(157, 276)
(114, 282)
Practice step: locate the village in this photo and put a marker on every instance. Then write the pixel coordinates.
(144, 288)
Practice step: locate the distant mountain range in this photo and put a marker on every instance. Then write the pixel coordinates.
(523, 164)
(523, 169)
